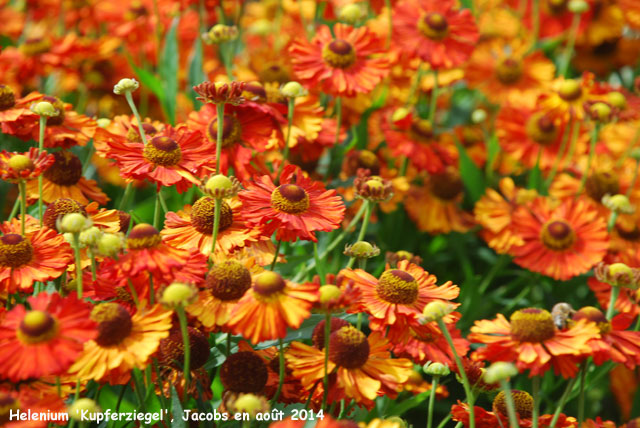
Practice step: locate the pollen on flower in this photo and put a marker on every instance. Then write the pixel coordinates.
(522, 400)
(60, 207)
(509, 71)
(397, 286)
(601, 183)
(133, 135)
(532, 325)
(228, 280)
(143, 236)
(114, 323)
(15, 250)
(434, 26)
(570, 90)
(446, 185)
(348, 347)
(203, 215)
(339, 54)
(557, 235)
(171, 349)
(163, 151)
(37, 327)
(290, 198)
(244, 371)
(66, 169)
(541, 128)
(7, 98)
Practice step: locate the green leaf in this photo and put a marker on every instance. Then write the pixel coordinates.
(176, 410)
(403, 406)
(196, 71)
(472, 177)
(149, 80)
(168, 70)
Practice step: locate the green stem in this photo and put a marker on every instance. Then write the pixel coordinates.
(363, 227)
(434, 98)
(583, 374)
(281, 372)
(216, 226)
(511, 408)
(134, 294)
(535, 393)
(287, 143)
(415, 84)
(76, 250)
(152, 291)
(562, 402)
(592, 149)
(612, 221)
(445, 420)
(325, 379)
(220, 121)
(338, 119)
(182, 317)
(22, 186)
(432, 400)
(463, 374)
(43, 125)
(93, 263)
(156, 211)
(14, 210)
(125, 197)
(615, 291)
(275, 256)
(132, 105)
(568, 53)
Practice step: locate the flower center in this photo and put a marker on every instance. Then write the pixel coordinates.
(274, 73)
(595, 315)
(60, 207)
(114, 323)
(368, 160)
(66, 169)
(421, 130)
(434, 26)
(37, 327)
(15, 251)
(509, 71)
(557, 235)
(317, 336)
(557, 7)
(290, 198)
(20, 163)
(171, 350)
(339, 54)
(133, 134)
(268, 283)
(59, 106)
(348, 347)
(7, 404)
(446, 185)
(228, 280)
(163, 151)
(542, 129)
(203, 215)
(123, 294)
(34, 46)
(254, 91)
(231, 130)
(397, 286)
(523, 403)
(570, 90)
(143, 236)
(244, 371)
(532, 325)
(7, 98)
(600, 183)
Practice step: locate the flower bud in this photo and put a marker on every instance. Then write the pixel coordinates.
(601, 112)
(436, 369)
(111, 244)
(221, 186)
(73, 223)
(478, 116)
(618, 203)
(293, 89)
(220, 33)
(44, 108)
(618, 275)
(103, 122)
(125, 85)
(617, 99)
(77, 408)
(362, 250)
(251, 404)
(179, 294)
(351, 13)
(500, 371)
(329, 292)
(261, 27)
(90, 236)
(578, 6)
(20, 163)
(399, 114)
(435, 310)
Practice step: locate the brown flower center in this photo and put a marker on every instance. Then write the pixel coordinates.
(446, 185)
(114, 323)
(203, 215)
(348, 347)
(397, 286)
(274, 73)
(368, 160)
(7, 98)
(532, 325)
(66, 169)
(339, 54)
(421, 130)
(244, 371)
(290, 198)
(15, 251)
(228, 280)
(143, 236)
(268, 283)
(7, 404)
(171, 349)
(434, 26)
(231, 130)
(37, 327)
(317, 337)
(523, 403)
(59, 106)
(557, 7)
(509, 71)
(133, 134)
(600, 183)
(570, 90)
(595, 315)
(557, 235)
(163, 151)
(60, 207)
(542, 129)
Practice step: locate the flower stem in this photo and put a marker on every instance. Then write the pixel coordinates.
(415, 84)
(76, 250)
(152, 291)
(363, 228)
(634, 178)
(615, 291)
(592, 149)
(43, 125)
(93, 264)
(434, 97)
(220, 120)
(583, 374)
(216, 227)
(338, 119)
(511, 408)
(22, 186)
(281, 372)
(463, 374)
(562, 402)
(563, 145)
(182, 317)
(535, 393)
(125, 196)
(287, 143)
(325, 379)
(432, 400)
(132, 105)
(156, 211)
(612, 221)
(275, 256)
(134, 294)
(568, 53)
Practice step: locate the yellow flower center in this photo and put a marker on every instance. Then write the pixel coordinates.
(66, 169)
(523, 403)
(143, 236)
(244, 371)
(446, 185)
(268, 283)
(421, 130)
(397, 286)
(274, 73)
(7, 98)
(203, 215)
(509, 71)
(34, 46)
(60, 207)
(20, 163)
(570, 90)
(114, 323)
(59, 106)
(532, 325)
(171, 349)
(133, 134)
(595, 315)
(7, 404)
(231, 130)
(434, 26)
(600, 183)
(15, 251)
(348, 347)
(163, 151)
(290, 198)
(339, 54)
(228, 280)
(542, 129)
(557, 235)
(368, 160)
(37, 327)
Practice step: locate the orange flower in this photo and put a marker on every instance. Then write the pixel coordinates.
(352, 62)
(16, 116)
(531, 341)
(40, 255)
(46, 339)
(434, 31)
(24, 166)
(628, 301)
(68, 128)
(363, 366)
(554, 16)
(399, 295)
(560, 242)
(26, 399)
(272, 305)
(500, 418)
(567, 97)
(292, 210)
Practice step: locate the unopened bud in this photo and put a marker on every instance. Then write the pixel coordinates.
(125, 85)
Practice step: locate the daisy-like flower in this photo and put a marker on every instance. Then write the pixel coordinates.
(272, 305)
(219, 92)
(124, 342)
(363, 366)
(567, 97)
(26, 399)
(295, 209)
(16, 117)
(352, 62)
(435, 31)
(399, 294)
(24, 166)
(46, 339)
(106, 220)
(560, 242)
(531, 340)
(40, 255)
(174, 156)
(627, 302)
